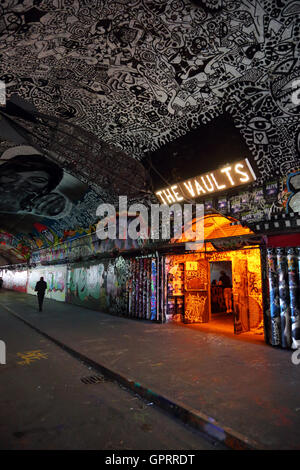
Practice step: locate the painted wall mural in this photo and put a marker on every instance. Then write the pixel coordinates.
(55, 276)
(101, 286)
(293, 187)
(85, 286)
(80, 245)
(120, 286)
(130, 287)
(14, 280)
(142, 282)
(151, 71)
(43, 196)
(261, 202)
(13, 249)
(52, 206)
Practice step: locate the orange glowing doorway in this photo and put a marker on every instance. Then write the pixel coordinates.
(193, 297)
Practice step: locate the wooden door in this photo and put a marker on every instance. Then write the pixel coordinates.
(196, 292)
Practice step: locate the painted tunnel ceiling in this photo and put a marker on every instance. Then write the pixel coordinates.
(139, 75)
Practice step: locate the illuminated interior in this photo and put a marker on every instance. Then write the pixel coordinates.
(216, 226)
(199, 293)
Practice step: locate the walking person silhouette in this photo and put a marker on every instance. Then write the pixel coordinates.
(40, 288)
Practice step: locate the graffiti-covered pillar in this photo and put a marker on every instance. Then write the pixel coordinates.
(265, 293)
(274, 298)
(293, 279)
(284, 298)
(284, 282)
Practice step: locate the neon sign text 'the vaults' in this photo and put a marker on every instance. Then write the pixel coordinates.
(228, 177)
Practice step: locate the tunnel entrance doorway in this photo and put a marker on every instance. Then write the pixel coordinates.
(219, 290)
(221, 297)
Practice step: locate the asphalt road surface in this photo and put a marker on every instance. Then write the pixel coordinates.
(45, 405)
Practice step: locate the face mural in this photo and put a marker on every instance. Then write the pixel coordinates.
(27, 184)
(44, 197)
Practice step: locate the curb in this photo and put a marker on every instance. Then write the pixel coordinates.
(194, 418)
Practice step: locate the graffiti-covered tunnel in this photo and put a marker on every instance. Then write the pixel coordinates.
(171, 102)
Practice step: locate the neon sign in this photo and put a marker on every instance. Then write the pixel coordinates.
(230, 176)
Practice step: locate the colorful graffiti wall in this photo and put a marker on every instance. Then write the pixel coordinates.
(126, 287)
(82, 246)
(101, 286)
(142, 288)
(55, 276)
(14, 280)
(133, 287)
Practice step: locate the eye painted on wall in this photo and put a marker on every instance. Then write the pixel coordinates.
(125, 35)
(259, 124)
(284, 48)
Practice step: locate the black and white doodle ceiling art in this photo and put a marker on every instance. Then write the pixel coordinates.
(139, 74)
